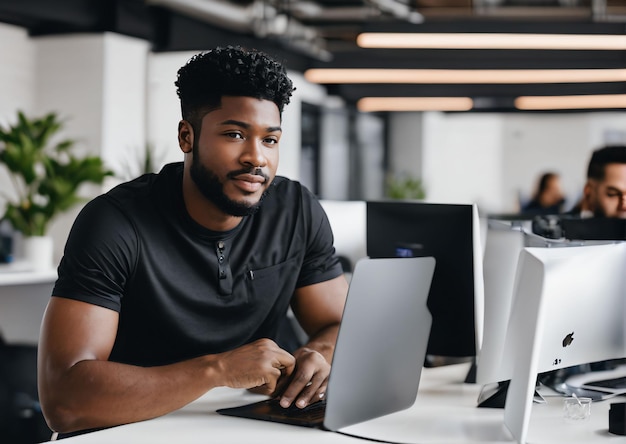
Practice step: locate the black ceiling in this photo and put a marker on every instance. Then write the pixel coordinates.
(336, 23)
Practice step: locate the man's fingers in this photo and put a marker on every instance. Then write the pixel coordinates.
(303, 389)
(311, 392)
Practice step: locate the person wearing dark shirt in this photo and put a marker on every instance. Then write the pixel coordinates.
(175, 283)
(548, 198)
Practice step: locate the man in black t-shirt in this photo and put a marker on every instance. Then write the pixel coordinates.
(175, 283)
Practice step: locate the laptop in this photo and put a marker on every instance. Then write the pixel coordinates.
(380, 350)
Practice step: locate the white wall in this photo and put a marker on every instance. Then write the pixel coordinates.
(70, 71)
(491, 159)
(289, 165)
(532, 144)
(405, 136)
(17, 79)
(370, 142)
(461, 158)
(163, 107)
(97, 84)
(17, 72)
(335, 151)
(123, 100)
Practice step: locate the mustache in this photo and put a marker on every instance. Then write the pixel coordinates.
(252, 171)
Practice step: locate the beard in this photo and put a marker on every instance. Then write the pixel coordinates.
(596, 209)
(211, 188)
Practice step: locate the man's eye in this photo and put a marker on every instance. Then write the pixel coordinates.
(234, 135)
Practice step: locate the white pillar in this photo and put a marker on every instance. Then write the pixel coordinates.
(96, 83)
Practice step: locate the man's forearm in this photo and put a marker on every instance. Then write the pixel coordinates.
(94, 394)
(324, 341)
(98, 393)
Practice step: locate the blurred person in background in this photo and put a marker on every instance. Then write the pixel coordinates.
(548, 197)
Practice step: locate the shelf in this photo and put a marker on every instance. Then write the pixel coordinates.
(21, 273)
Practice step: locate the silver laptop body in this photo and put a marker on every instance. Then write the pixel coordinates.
(382, 341)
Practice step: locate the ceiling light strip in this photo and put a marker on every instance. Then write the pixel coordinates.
(590, 42)
(375, 104)
(464, 76)
(536, 103)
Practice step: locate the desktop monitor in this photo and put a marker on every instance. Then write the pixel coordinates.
(347, 220)
(568, 309)
(505, 240)
(451, 234)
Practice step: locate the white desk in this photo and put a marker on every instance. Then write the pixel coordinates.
(445, 412)
(24, 295)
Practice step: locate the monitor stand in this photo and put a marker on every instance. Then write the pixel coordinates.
(471, 374)
(494, 395)
(438, 361)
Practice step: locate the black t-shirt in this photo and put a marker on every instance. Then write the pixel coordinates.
(182, 290)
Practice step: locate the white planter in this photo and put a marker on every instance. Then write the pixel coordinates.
(39, 251)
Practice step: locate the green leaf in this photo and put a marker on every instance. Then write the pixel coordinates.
(405, 187)
(46, 176)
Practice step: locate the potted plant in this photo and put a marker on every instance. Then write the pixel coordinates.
(404, 186)
(45, 175)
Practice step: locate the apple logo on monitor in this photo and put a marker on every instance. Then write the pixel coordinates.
(567, 340)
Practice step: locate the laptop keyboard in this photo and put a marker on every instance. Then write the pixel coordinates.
(312, 412)
(270, 410)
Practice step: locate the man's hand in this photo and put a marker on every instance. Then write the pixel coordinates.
(258, 365)
(308, 381)
(318, 308)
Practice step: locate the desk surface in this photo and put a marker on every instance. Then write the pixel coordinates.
(444, 412)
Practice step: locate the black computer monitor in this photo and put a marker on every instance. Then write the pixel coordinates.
(449, 233)
(593, 228)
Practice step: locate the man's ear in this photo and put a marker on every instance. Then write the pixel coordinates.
(185, 136)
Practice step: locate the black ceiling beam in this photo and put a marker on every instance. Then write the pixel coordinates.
(474, 59)
(353, 92)
(537, 26)
(183, 33)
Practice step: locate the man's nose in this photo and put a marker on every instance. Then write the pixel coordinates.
(253, 154)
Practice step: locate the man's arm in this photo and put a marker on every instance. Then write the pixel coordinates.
(80, 389)
(318, 308)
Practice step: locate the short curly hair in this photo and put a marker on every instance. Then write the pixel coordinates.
(230, 71)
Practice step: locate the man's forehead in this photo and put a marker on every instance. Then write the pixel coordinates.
(615, 172)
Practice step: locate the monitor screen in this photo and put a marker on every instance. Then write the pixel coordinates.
(451, 234)
(593, 228)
